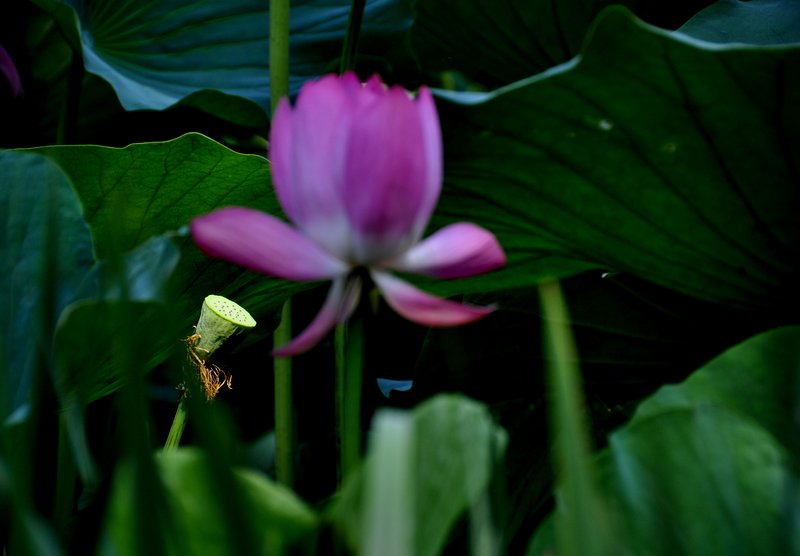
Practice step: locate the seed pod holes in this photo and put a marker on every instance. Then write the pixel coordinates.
(229, 310)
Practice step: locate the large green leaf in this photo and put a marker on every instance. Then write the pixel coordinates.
(284, 524)
(147, 189)
(424, 469)
(711, 484)
(64, 104)
(697, 481)
(757, 379)
(648, 155)
(496, 42)
(705, 466)
(157, 53)
(753, 22)
(132, 194)
(46, 256)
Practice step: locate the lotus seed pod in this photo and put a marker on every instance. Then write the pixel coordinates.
(220, 318)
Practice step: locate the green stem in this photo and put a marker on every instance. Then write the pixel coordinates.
(349, 370)
(348, 59)
(580, 524)
(178, 424)
(278, 51)
(284, 410)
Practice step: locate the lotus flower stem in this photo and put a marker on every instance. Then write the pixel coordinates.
(580, 523)
(278, 51)
(350, 46)
(284, 410)
(349, 339)
(284, 413)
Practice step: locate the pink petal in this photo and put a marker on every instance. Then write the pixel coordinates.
(263, 243)
(280, 157)
(432, 136)
(375, 86)
(424, 308)
(9, 71)
(362, 93)
(307, 153)
(339, 305)
(456, 251)
(388, 175)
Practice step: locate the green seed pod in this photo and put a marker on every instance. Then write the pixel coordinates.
(220, 318)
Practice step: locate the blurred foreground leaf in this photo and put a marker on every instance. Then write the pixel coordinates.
(712, 483)
(704, 467)
(87, 364)
(423, 470)
(46, 256)
(758, 380)
(198, 527)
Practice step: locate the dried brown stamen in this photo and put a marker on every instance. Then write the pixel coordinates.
(212, 377)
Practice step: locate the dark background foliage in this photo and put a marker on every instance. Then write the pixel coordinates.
(654, 173)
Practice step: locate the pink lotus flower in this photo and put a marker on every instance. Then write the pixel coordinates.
(358, 170)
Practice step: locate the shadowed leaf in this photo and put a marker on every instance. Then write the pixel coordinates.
(648, 155)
